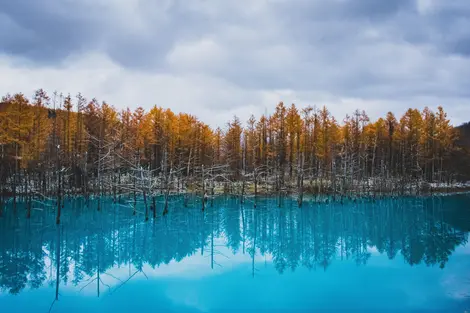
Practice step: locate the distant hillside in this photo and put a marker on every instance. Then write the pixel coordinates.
(464, 131)
(462, 161)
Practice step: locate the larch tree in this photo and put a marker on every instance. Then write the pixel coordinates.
(59, 146)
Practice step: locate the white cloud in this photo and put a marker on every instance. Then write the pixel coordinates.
(204, 54)
(211, 98)
(215, 59)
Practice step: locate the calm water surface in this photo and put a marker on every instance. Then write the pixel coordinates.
(395, 255)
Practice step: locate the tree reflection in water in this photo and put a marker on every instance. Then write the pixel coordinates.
(88, 243)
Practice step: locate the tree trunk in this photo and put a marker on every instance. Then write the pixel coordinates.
(154, 207)
(256, 188)
(203, 189)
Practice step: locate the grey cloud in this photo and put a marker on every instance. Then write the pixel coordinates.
(377, 9)
(46, 31)
(369, 49)
(343, 9)
(445, 26)
(146, 48)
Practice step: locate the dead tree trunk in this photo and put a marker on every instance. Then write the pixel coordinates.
(255, 181)
(144, 187)
(203, 189)
(300, 179)
(154, 206)
(28, 196)
(167, 191)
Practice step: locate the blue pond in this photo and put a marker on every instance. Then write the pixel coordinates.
(391, 255)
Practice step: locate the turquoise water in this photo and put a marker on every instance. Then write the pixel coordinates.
(394, 255)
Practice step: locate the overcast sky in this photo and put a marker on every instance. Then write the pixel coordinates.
(219, 58)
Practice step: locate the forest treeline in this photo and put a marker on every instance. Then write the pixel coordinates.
(58, 145)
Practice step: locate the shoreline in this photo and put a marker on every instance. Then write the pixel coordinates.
(307, 196)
